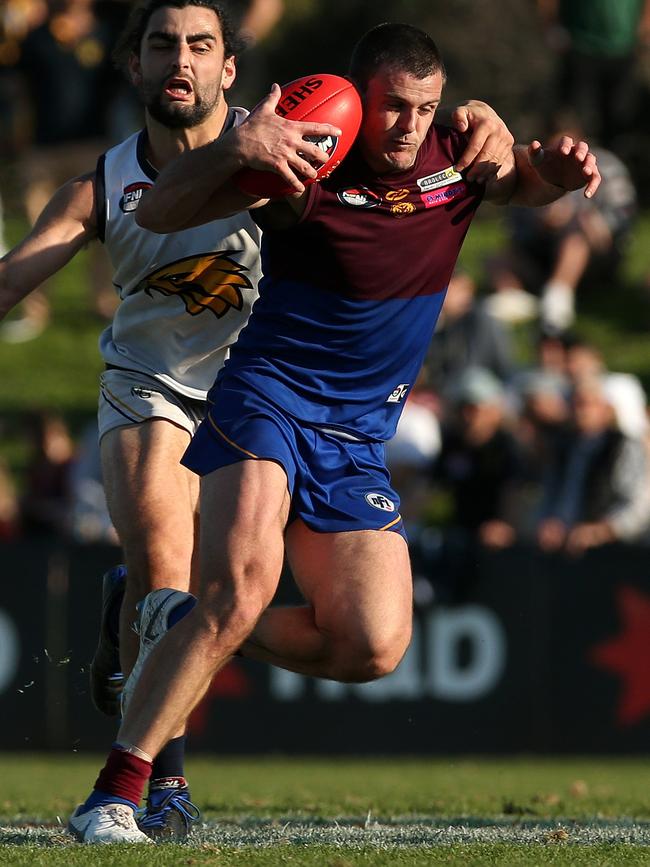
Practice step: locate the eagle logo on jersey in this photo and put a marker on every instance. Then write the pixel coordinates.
(209, 281)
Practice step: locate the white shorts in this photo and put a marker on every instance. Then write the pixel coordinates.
(127, 397)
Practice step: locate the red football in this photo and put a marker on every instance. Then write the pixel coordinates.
(320, 98)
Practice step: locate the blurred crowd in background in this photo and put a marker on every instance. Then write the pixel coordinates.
(491, 452)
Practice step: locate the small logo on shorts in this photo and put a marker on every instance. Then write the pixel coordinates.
(144, 393)
(379, 501)
(398, 394)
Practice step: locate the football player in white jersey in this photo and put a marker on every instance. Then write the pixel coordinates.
(184, 298)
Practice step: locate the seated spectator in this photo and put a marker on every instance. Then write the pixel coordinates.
(597, 488)
(476, 479)
(554, 250)
(466, 336)
(542, 422)
(479, 462)
(624, 390)
(46, 500)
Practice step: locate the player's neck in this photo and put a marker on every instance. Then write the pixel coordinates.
(165, 144)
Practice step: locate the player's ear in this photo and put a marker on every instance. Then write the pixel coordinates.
(229, 73)
(135, 69)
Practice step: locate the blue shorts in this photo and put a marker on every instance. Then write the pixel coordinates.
(335, 485)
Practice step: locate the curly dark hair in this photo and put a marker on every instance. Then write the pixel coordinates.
(130, 39)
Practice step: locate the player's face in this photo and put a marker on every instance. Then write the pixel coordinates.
(398, 110)
(181, 72)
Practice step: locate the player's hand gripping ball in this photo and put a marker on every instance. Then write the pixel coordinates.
(322, 99)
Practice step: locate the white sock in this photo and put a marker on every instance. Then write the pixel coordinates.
(557, 305)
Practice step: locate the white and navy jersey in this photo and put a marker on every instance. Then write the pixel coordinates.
(184, 296)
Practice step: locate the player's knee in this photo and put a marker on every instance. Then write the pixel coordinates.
(235, 605)
(374, 658)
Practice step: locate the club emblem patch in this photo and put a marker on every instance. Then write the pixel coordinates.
(210, 281)
(396, 195)
(131, 196)
(402, 209)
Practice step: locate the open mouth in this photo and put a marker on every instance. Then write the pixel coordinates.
(178, 88)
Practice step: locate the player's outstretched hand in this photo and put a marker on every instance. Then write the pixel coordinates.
(567, 164)
(490, 141)
(268, 142)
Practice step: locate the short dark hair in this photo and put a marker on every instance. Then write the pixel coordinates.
(130, 40)
(398, 46)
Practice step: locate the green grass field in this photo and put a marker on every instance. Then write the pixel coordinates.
(345, 812)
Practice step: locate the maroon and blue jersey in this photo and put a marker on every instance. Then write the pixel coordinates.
(351, 294)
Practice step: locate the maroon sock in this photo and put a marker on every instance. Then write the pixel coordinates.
(124, 775)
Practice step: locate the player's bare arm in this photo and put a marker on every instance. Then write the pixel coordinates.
(536, 176)
(184, 193)
(490, 141)
(67, 223)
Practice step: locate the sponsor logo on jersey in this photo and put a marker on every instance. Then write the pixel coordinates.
(398, 394)
(358, 197)
(396, 195)
(131, 196)
(439, 179)
(209, 281)
(441, 197)
(379, 501)
(402, 209)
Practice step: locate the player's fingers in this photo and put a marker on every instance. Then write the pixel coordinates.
(312, 152)
(308, 129)
(581, 149)
(472, 150)
(268, 104)
(300, 164)
(535, 153)
(273, 98)
(292, 179)
(460, 119)
(485, 166)
(594, 179)
(565, 144)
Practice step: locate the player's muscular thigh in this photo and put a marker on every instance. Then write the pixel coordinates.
(244, 509)
(152, 499)
(359, 584)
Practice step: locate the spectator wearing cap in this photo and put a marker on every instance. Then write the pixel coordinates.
(477, 474)
(542, 424)
(479, 461)
(597, 489)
